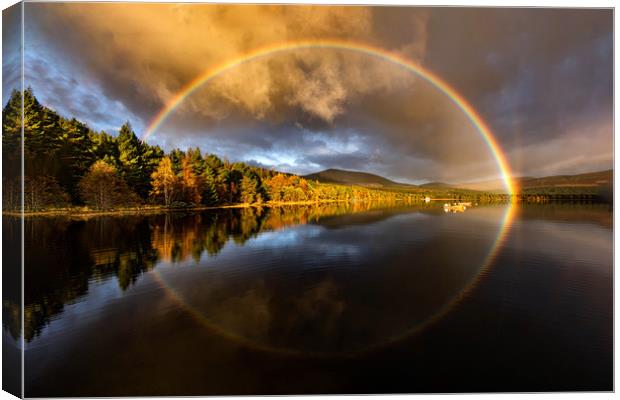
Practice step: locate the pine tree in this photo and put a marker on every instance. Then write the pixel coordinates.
(104, 146)
(177, 156)
(36, 159)
(76, 156)
(11, 136)
(223, 185)
(12, 115)
(248, 189)
(130, 158)
(196, 161)
(151, 156)
(214, 162)
(209, 187)
(33, 134)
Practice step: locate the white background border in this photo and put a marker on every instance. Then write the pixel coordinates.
(478, 3)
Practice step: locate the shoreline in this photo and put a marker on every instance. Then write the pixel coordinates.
(83, 212)
(151, 210)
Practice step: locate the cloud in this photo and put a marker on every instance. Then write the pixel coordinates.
(584, 147)
(80, 99)
(531, 78)
(11, 54)
(144, 53)
(538, 71)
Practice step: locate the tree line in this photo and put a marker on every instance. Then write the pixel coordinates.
(66, 163)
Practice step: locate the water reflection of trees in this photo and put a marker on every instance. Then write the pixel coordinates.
(176, 237)
(63, 256)
(11, 274)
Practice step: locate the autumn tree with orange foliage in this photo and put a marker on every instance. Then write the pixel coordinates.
(190, 182)
(101, 188)
(165, 182)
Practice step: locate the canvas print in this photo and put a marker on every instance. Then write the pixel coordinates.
(244, 199)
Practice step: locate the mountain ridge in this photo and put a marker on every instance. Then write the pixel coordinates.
(350, 177)
(586, 179)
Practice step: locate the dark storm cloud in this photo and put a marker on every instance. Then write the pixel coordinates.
(69, 95)
(536, 70)
(11, 50)
(540, 77)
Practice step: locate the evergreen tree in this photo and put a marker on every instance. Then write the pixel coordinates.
(223, 185)
(209, 187)
(76, 156)
(151, 156)
(34, 139)
(43, 137)
(130, 158)
(11, 136)
(213, 162)
(196, 161)
(249, 189)
(104, 146)
(176, 157)
(12, 115)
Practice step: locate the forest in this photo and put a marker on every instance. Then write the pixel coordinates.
(67, 164)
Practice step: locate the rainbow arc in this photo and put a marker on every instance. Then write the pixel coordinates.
(456, 98)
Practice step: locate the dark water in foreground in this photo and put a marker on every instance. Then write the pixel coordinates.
(335, 299)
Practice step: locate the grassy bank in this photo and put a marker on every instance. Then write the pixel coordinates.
(76, 211)
(483, 198)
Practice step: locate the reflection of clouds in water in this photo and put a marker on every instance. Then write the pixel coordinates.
(339, 250)
(310, 236)
(342, 241)
(318, 290)
(248, 314)
(307, 317)
(283, 238)
(321, 307)
(81, 310)
(558, 239)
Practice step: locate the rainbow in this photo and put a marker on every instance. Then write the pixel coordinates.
(212, 72)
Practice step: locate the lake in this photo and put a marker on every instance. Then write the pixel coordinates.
(335, 298)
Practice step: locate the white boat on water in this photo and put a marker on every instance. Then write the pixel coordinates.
(456, 207)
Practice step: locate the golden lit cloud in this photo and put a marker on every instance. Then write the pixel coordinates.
(162, 46)
(310, 109)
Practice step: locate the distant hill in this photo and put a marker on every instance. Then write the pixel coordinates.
(587, 181)
(436, 185)
(496, 185)
(344, 177)
(590, 179)
(599, 178)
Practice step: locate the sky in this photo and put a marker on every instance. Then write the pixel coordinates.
(540, 78)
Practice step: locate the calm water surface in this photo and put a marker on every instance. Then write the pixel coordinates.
(330, 299)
